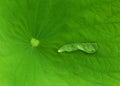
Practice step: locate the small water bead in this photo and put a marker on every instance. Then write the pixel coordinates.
(85, 47)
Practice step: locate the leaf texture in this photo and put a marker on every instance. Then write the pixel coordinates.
(55, 23)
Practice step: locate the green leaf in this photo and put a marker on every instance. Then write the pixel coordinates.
(51, 24)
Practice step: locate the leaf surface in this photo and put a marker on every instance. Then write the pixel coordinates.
(55, 23)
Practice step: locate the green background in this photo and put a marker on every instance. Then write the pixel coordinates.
(55, 23)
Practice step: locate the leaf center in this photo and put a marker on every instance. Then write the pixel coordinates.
(35, 42)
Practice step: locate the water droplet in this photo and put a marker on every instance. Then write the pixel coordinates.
(85, 47)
